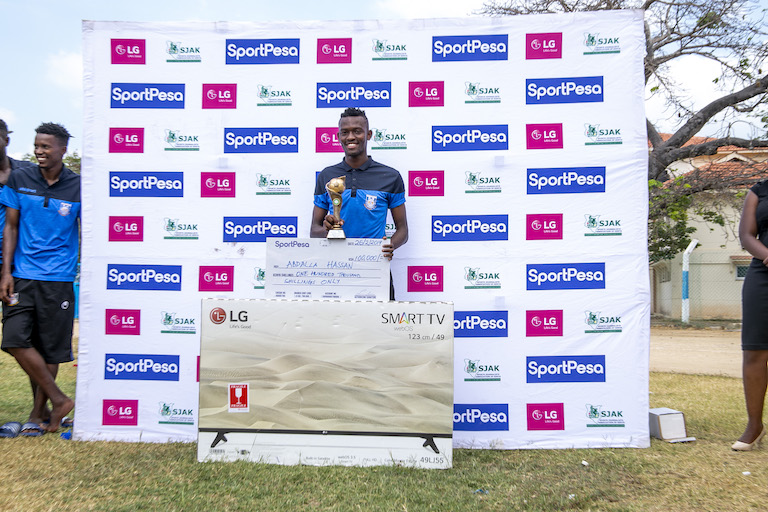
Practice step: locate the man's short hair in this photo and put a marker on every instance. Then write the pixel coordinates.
(58, 131)
(4, 127)
(355, 112)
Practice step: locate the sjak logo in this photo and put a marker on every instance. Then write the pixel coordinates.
(597, 136)
(481, 372)
(601, 227)
(180, 230)
(180, 52)
(176, 140)
(171, 415)
(599, 417)
(384, 50)
(481, 93)
(259, 277)
(481, 280)
(596, 43)
(269, 186)
(597, 323)
(269, 96)
(384, 140)
(171, 323)
(481, 184)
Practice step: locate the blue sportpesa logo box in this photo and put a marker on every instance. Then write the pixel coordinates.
(257, 229)
(141, 367)
(261, 140)
(479, 137)
(131, 95)
(469, 228)
(262, 51)
(359, 94)
(565, 369)
(146, 184)
(144, 277)
(480, 324)
(585, 89)
(469, 48)
(565, 276)
(566, 180)
(480, 417)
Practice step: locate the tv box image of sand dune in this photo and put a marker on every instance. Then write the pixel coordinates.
(328, 366)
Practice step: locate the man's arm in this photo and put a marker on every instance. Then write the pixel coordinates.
(10, 238)
(400, 236)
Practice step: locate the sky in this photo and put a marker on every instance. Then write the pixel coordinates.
(41, 45)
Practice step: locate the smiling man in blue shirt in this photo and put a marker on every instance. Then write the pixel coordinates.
(40, 249)
(372, 189)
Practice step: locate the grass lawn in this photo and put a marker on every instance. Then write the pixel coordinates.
(50, 473)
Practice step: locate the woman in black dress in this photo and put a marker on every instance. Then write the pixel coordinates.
(753, 232)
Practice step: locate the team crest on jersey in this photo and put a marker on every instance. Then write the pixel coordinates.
(370, 202)
(64, 209)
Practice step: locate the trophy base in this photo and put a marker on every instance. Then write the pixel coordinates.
(336, 234)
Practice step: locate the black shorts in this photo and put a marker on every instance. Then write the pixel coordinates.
(42, 319)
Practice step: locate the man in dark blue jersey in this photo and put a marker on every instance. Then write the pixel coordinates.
(40, 252)
(372, 189)
(7, 165)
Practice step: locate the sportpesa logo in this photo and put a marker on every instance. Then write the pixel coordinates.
(146, 184)
(257, 229)
(129, 95)
(261, 140)
(487, 137)
(262, 51)
(360, 94)
(144, 277)
(480, 324)
(566, 180)
(454, 228)
(480, 417)
(565, 276)
(462, 48)
(586, 89)
(565, 369)
(141, 367)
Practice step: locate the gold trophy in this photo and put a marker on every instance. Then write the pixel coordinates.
(335, 188)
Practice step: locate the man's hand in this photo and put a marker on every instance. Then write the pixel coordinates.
(388, 249)
(6, 288)
(329, 220)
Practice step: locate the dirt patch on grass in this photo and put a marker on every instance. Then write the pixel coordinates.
(700, 351)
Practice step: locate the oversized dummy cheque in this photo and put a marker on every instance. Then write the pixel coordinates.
(335, 188)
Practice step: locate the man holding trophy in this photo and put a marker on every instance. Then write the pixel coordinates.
(352, 197)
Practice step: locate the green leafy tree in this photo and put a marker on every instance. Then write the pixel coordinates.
(729, 32)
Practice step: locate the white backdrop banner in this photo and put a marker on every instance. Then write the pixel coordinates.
(522, 144)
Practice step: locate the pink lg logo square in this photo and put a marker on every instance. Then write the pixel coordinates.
(544, 322)
(544, 226)
(126, 229)
(544, 136)
(334, 51)
(219, 95)
(120, 412)
(544, 46)
(327, 140)
(123, 322)
(126, 140)
(426, 94)
(427, 278)
(546, 417)
(128, 51)
(217, 184)
(216, 278)
(426, 183)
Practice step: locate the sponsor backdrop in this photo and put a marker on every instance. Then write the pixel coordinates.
(522, 144)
